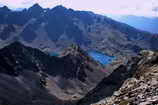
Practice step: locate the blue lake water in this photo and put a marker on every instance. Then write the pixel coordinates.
(54, 54)
(102, 58)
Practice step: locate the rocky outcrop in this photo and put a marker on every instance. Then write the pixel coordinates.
(30, 77)
(132, 84)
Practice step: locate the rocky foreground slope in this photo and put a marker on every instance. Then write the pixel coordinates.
(135, 83)
(31, 77)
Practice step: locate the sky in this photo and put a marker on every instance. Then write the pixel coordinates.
(105, 7)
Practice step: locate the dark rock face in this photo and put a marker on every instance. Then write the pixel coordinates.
(133, 83)
(28, 73)
(59, 27)
(28, 33)
(110, 84)
(35, 11)
(5, 34)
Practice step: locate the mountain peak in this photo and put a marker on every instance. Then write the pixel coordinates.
(73, 49)
(35, 10)
(15, 45)
(59, 8)
(5, 9)
(36, 7)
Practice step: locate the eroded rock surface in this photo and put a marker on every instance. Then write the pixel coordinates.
(139, 87)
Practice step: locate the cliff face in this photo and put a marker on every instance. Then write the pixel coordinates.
(30, 77)
(133, 83)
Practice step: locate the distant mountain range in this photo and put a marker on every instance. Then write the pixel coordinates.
(149, 24)
(57, 28)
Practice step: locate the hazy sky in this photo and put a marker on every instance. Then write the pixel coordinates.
(115, 7)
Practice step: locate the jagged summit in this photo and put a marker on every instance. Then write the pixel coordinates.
(59, 7)
(4, 9)
(14, 46)
(73, 49)
(36, 10)
(16, 43)
(60, 10)
(35, 6)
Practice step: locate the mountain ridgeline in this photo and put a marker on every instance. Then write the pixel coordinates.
(59, 27)
(31, 77)
(134, 83)
(143, 23)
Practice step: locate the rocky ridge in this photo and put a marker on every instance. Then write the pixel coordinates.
(139, 89)
(28, 73)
